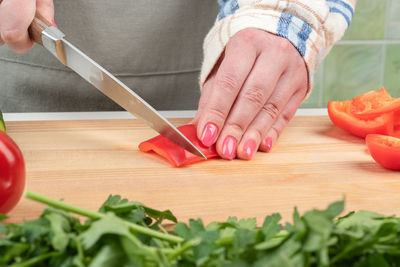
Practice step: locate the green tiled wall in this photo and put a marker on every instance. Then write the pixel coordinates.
(367, 58)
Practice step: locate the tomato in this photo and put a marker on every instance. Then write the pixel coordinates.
(374, 103)
(385, 150)
(176, 155)
(12, 173)
(340, 114)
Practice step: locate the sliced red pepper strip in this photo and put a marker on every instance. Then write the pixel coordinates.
(374, 103)
(176, 155)
(396, 132)
(396, 119)
(385, 150)
(340, 115)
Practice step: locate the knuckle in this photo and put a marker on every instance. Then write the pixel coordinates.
(255, 95)
(235, 126)
(275, 131)
(272, 110)
(227, 82)
(248, 35)
(47, 4)
(11, 36)
(284, 45)
(258, 132)
(216, 113)
(286, 118)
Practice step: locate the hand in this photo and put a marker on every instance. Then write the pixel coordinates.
(251, 95)
(15, 18)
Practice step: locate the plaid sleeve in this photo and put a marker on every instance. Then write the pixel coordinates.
(312, 26)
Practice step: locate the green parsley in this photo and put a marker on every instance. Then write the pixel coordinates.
(126, 233)
(2, 124)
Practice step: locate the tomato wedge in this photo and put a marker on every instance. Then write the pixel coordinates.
(340, 115)
(374, 103)
(176, 155)
(385, 150)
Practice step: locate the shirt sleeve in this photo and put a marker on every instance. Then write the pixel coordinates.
(312, 26)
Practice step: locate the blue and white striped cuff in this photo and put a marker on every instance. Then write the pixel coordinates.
(342, 8)
(295, 30)
(227, 7)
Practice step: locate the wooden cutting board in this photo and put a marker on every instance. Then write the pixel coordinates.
(313, 164)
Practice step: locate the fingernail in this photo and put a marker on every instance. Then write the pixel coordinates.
(52, 21)
(229, 147)
(209, 133)
(249, 148)
(268, 143)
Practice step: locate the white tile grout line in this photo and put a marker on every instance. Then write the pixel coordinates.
(384, 46)
(367, 42)
(383, 63)
(388, 7)
(48, 116)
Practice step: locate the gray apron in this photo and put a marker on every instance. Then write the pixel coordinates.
(155, 47)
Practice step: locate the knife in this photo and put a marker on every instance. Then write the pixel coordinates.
(50, 37)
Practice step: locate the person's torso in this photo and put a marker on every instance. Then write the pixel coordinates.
(155, 47)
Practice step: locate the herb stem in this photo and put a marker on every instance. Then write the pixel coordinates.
(63, 206)
(36, 260)
(190, 244)
(79, 249)
(224, 241)
(98, 215)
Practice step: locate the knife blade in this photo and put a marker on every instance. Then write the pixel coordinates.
(44, 33)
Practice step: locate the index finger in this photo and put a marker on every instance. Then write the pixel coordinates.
(237, 63)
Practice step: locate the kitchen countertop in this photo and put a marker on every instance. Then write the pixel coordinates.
(39, 116)
(84, 157)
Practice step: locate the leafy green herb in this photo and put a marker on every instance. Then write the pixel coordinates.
(2, 124)
(126, 233)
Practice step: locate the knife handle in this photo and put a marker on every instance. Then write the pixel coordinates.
(37, 27)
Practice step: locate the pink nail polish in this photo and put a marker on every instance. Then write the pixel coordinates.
(249, 148)
(268, 143)
(52, 21)
(229, 147)
(209, 134)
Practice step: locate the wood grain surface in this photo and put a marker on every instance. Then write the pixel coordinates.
(313, 164)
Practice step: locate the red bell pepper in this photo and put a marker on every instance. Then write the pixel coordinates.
(340, 114)
(373, 104)
(396, 119)
(176, 155)
(385, 150)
